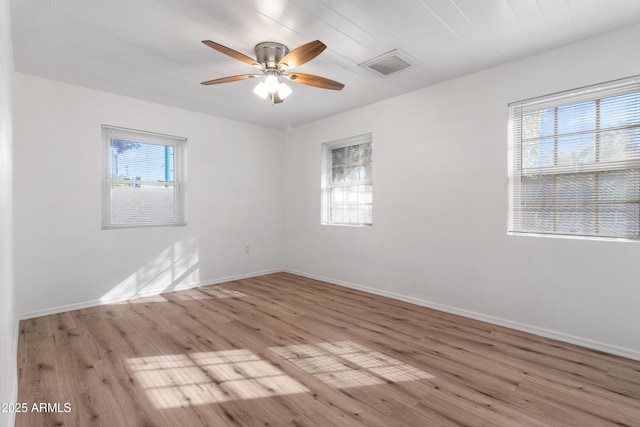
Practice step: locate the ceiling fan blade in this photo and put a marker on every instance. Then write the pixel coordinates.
(315, 81)
(301, 55)
(230, 79)
(232, 53)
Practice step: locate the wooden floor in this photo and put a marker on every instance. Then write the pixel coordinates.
(282, 350)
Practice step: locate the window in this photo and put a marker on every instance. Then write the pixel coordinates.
(347, 185)
(575, 162)
(143, 179)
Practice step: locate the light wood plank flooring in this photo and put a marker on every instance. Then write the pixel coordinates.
(282, 350)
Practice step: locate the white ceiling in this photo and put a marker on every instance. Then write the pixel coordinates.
(151, 49)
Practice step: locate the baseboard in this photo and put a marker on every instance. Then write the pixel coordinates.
(571, 339)
(99, 302)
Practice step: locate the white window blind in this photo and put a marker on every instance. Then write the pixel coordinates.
(143, 179)
(575, 162)
(347, 181)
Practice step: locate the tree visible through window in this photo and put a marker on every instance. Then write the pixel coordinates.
(142, 184)
(575, 165)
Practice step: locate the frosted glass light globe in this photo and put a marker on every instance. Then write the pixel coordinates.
(271, 83)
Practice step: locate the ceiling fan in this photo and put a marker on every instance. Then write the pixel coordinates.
(275, 61)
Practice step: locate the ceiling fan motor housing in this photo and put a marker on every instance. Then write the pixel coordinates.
(270, 53)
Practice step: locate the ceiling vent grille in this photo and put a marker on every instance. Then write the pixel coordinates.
(390, 63)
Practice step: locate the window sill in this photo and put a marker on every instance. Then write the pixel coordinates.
(347, 225)
(572, 237)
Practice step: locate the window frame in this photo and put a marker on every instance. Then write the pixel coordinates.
(518, 172)
(327, 185)
(151, 138)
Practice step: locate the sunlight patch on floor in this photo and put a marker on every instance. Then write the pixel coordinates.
(221, 292)
(190, 295)
(346, 364)
(143, 300)
(211, 377)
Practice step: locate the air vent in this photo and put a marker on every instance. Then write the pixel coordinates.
(390, 63)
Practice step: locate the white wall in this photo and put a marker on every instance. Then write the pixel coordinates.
(440, 207)
(62, 257)
(8, 330)
(443, 245)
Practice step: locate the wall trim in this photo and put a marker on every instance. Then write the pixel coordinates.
(99, 302)
(547, 333)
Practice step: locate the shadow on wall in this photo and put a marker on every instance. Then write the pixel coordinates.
(176, 267)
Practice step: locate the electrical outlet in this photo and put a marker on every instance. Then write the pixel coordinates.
(247, 249)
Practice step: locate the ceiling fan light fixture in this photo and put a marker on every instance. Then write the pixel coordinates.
(284, 91)
(275, 60)
(271, 83)
(261, 90)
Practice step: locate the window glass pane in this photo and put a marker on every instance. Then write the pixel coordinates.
(365, 194)
(351, 163)
(351, 194)
(576, 188)
(577, 117)
(577, 219)
(365, 172)
(338, 215)
(338, 163)
(576, 149)
(352, 215)
(352, 204)
(620, 186)
(619, 145)
(337, 195)
(576, 203)
(538, 220)
(538, 201)
(365, 214)
(338, 174)
(142, 204)
(138, 161)
(620, 110)
(619, 213)
(537, 124)
(537, 153)
(619, 220)
(355, 154)
(538, 189)
(353, 174)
